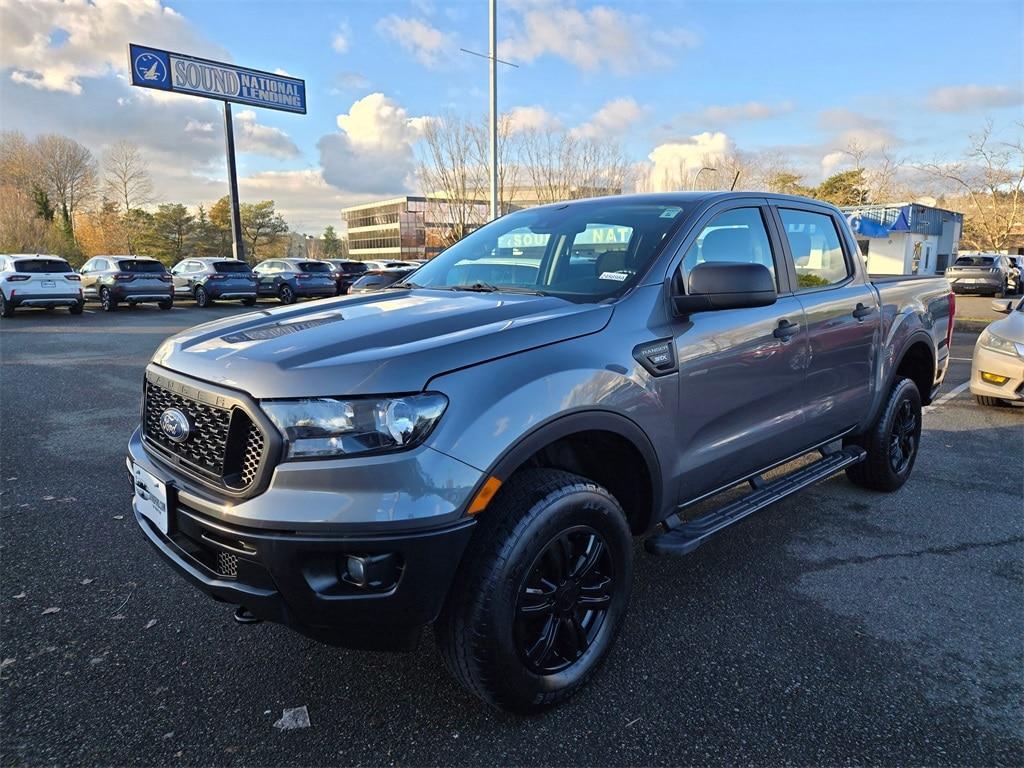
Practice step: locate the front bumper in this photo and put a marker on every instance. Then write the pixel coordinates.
(1011, 367)
(291, 542)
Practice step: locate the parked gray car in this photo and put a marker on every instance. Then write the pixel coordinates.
(478, 454)
(114, 280)
(987, 273)
(207, 280)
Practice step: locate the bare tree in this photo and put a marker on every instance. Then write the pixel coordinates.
(126, 181)
(67, 173)
(561, 165)
(989, 180)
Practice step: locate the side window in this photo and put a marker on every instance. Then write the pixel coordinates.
(736, 235)
(99, 265)
(816, 249)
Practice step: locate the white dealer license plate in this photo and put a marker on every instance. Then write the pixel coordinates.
(150, 497)
(49, 284)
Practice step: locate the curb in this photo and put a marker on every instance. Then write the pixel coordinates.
(971, 324)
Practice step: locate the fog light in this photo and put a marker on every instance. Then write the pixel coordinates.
(372, 571)
(994, 378)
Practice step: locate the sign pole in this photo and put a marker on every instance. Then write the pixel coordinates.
(237, 246)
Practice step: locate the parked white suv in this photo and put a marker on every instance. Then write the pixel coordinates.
(38, 280)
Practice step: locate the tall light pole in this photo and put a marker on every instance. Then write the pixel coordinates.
(493, 14)
(693, 184)
(492, 57)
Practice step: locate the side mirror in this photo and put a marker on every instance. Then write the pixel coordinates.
(1002, 306)
(726, 285)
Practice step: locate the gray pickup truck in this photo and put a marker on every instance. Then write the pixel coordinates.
(475, 446)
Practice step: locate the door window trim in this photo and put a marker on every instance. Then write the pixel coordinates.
(851, 269)
(783, 279)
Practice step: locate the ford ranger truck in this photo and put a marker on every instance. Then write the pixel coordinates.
(475, 447)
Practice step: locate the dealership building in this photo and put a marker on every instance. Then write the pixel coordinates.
(906, 238)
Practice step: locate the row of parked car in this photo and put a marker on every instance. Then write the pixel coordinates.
(36, 280)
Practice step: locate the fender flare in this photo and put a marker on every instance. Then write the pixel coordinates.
(918, 336)
(582, 421)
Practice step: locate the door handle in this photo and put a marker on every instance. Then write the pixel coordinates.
(860, 312)
(785, 330)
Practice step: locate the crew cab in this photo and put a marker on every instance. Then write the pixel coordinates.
(478, 454)
(38, 280)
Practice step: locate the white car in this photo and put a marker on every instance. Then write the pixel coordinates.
(38, 280)
(997, 369)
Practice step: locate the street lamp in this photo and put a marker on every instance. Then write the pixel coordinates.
(693, 184)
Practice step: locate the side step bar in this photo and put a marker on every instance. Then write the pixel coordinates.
(685, 536)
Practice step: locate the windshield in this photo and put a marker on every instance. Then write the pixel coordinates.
(141, 266)
(581, 252)
(973, 261)
(314, 266)
(41, 266)
(231, 266)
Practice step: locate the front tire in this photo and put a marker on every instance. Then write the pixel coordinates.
(6, 308)
(892, 442)
(107, 302)
(541, 593)
(992, 402)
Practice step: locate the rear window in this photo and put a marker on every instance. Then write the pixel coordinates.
(231, 266)
(314, 266)
(150, 267)
(973, 261)
(352, 268)
(37, 266)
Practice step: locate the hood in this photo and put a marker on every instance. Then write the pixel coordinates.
(1011, 328)
(377, 343)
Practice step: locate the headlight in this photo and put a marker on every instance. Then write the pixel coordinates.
(989, 340)
(333, 427)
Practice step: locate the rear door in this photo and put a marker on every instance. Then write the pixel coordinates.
(842, 314)
(741, 371)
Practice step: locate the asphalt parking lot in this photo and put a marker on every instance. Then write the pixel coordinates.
(838, 627)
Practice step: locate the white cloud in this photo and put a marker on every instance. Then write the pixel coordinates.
(593, 39)
(341, 37)
(614, 119)
(259, 139)
(52, 45)
(373, 150)
(307, 202)
(850, 129)
(427, 43)
(966, 98)
(751, 110)
(530, 118)
(672, 161)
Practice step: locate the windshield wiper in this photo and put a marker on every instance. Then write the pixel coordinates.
(404, 284)
(478, 287)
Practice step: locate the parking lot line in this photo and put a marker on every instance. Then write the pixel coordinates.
(948, 396)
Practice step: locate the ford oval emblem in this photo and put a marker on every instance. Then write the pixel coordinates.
(175, 426)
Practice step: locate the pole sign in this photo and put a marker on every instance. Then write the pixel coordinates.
(175, 72)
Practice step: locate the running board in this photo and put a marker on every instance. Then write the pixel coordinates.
(685, 536)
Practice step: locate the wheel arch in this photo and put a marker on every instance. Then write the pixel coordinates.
(603, 446)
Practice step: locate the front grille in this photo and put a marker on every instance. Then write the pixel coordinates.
(227, 564)
(223, 445)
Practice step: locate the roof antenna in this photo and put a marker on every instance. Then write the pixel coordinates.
(734, 180)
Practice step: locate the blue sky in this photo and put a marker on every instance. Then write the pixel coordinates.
(667, 80)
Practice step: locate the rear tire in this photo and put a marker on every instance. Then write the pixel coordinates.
(76, 309)
(249, 302)
(892, 442)
(203, 299)
(107, 302)
(1000, 294)
(991, 402)
(286, 294)
(541, 591)
(165, 305)
(6, 308)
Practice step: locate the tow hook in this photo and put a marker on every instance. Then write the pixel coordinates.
(244, 616)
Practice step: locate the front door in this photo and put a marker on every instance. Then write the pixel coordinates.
(741, 371)
(843, 320)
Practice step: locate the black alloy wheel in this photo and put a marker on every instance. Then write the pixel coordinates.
(563, 601)
(903, 438)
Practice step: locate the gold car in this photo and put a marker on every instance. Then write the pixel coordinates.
(997, 372)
